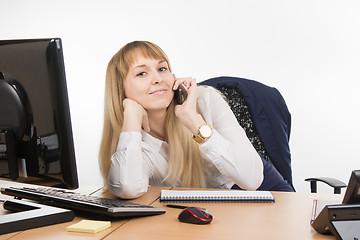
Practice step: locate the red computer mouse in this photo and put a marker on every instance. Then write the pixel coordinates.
(195, 215)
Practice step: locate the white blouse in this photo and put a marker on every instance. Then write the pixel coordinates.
(141, 160)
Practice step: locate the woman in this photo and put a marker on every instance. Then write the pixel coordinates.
(150, 140)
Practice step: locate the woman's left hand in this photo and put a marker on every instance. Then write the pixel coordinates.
(187, 112)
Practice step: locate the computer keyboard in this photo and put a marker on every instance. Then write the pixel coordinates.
(83, 203)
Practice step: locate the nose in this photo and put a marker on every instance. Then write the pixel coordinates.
(157, 78)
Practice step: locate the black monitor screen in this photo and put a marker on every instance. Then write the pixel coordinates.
(36, 142)
(352, 194)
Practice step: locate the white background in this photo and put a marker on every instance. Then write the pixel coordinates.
(308, 49)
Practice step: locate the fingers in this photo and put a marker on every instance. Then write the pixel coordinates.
(187, 82)
(130, 104)
(135, 116)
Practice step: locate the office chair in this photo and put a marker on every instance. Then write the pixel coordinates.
(333, 182)
(262, 112)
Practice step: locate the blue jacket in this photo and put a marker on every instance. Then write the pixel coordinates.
(271, 118)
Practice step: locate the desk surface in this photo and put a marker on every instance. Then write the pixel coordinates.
(287, 218)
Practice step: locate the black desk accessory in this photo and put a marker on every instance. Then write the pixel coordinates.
(342, 220)
(29, 215)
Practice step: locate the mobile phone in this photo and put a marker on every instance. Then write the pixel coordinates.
(180, 94)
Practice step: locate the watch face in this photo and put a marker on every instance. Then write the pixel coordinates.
(205, 131)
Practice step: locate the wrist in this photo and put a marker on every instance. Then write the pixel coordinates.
(195, 123)
(204, 133)
(132, 121)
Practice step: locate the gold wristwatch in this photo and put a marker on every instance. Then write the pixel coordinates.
(204, 133)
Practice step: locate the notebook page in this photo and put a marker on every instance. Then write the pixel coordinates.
(216, 195)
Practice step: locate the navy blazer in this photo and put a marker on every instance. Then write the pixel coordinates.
(271, 117)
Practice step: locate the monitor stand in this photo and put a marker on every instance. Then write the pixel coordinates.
(29, 215)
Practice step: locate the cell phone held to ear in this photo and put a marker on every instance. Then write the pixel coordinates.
(180, 94)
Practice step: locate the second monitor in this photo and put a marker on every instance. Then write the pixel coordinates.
(36, 141)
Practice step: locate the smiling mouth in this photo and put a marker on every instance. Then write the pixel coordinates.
(159, 92)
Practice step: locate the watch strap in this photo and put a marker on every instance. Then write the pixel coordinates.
(199, 138)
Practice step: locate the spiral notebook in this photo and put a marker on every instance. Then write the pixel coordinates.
(215, 196)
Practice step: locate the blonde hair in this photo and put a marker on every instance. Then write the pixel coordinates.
(185, 161)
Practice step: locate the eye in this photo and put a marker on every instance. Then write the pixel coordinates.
(141, 74)
(162, 69)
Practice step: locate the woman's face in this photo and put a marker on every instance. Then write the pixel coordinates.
(149, 82)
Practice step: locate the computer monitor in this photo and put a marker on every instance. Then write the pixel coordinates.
(36, 141)
(352, 194)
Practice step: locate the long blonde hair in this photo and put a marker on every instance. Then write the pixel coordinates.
(185, 161)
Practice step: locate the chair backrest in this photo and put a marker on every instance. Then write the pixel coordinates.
(262, 112)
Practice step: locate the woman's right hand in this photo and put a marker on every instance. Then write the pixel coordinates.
(135, 117)
(187, 111)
